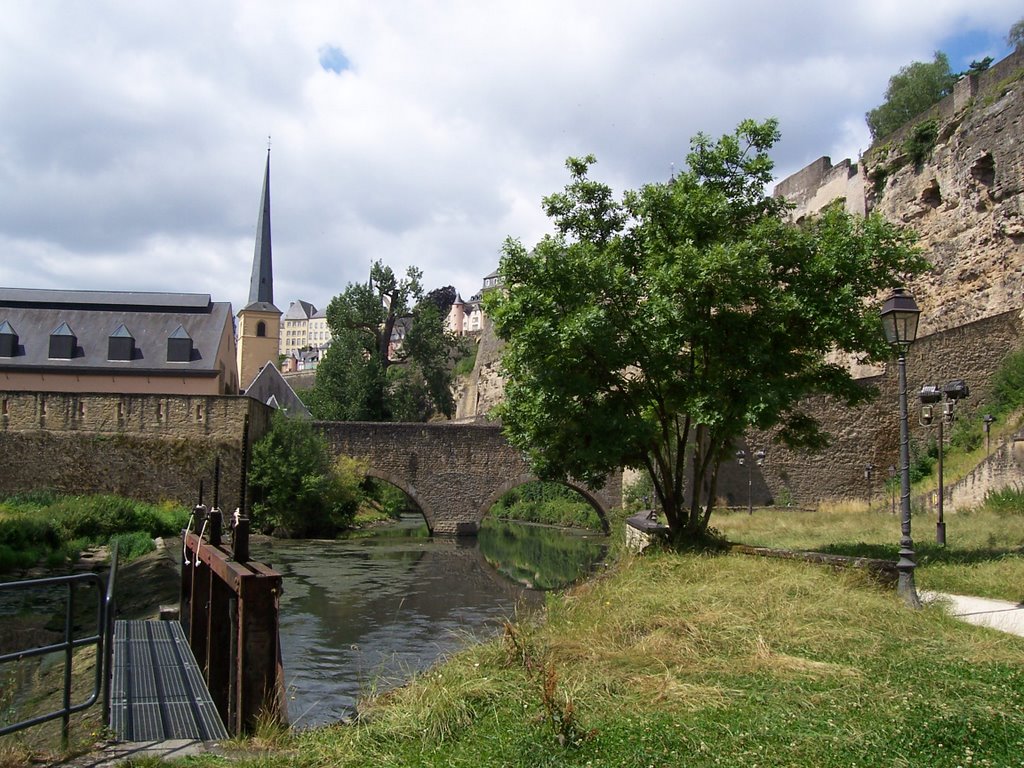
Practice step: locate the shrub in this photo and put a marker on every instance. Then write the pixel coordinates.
(921, 141)
(132, 545)
(296, 490)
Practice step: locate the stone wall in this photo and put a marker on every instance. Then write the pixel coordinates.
(149, 447)
(870, 433)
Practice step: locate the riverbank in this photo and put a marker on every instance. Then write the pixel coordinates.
(702, 660)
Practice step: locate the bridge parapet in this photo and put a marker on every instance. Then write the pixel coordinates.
(453, 472)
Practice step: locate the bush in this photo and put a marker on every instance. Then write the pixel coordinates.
(1008, 384)
(1008, 502)
(296, 490)
(921, 141)
(98, 518)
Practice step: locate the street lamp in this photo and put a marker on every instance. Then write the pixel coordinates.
(988, 418)
(741, 458)
(930, 396)
(900, 315)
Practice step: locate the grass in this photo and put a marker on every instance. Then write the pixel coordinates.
(701, 660)
(983, 556)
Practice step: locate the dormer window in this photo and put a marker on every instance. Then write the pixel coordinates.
(62, 342)
(121, 344)
(8, 340)
(179, 346)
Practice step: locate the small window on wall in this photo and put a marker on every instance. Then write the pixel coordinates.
(261, 328)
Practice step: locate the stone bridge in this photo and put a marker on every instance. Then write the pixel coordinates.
(453, 472)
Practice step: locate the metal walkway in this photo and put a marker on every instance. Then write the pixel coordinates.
(158, 692)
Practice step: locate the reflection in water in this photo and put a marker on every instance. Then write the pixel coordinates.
(540, 557)
(367, 613)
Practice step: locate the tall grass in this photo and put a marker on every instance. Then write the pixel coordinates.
(702, 660)
(983, 556)
(47, 529)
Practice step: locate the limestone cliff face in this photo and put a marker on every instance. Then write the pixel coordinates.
(483, 389)
(965, 199)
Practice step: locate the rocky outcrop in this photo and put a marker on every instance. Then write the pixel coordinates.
(484, 388)
(955, 175)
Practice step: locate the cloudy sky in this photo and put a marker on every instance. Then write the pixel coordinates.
(134, 134)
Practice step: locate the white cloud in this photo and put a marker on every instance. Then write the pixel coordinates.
(133, 135)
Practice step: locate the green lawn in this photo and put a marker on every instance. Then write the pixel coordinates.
(700, 660)
(983, 556)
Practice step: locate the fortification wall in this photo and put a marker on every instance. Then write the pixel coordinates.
(869, 434)
(149, 447)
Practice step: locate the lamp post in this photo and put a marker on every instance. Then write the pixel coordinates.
(931, 395)
(988, 418)
(741, 459)
(899, 321)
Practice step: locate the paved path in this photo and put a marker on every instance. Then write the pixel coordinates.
(998, 614)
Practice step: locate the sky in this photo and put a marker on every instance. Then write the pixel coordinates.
(134, 134)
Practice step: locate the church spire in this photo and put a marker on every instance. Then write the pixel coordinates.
(261, 284)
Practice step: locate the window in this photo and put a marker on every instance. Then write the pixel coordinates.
(8, 340)
(62, 342)
(261, 328)
(179, 346)
(121, 344)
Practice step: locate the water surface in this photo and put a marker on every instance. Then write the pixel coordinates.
(364, 614)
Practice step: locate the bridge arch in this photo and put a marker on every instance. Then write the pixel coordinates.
(408, 490)
(524, 479)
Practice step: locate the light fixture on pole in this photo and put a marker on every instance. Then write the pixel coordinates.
(900, 315)
(988, 418)
(741, 459)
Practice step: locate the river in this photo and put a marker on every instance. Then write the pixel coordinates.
(364, 614)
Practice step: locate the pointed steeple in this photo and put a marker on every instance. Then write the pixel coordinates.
(261, 284)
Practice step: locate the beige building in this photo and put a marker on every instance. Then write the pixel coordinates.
(116, 342)
(296, 328)
(467, 317)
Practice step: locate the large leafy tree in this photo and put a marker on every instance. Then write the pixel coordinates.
(653, 331)
(371, 372)
(911, 91)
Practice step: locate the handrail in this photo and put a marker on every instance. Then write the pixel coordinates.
(102, 638)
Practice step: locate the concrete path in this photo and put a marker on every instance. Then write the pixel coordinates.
(997, 614)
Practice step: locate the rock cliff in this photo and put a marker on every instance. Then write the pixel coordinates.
(955, 175)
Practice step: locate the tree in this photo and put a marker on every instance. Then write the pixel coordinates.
(295, 487)
(911, 91)
(653, 332)
(1015, 37)
(373, 373)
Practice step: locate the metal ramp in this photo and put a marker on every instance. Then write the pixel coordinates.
(157, 691)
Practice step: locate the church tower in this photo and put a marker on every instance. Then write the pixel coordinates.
(259, 322)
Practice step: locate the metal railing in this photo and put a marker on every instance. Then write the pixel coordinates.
(102, 639)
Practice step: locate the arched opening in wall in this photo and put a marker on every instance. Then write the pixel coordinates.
(387, 506)
(543, 535)
(261, 329)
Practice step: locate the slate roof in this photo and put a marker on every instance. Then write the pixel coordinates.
(300, 310)
(272, 388)
(94, 316)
